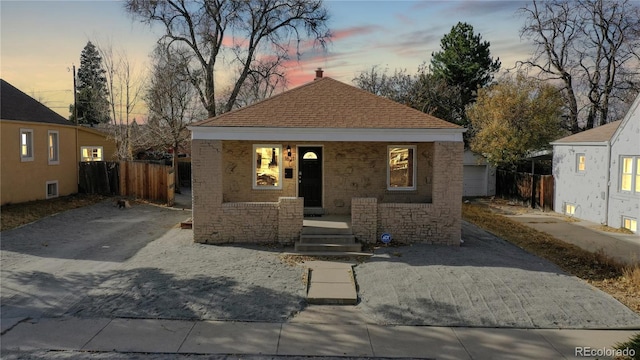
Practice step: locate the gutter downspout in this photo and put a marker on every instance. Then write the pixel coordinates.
(606, 194)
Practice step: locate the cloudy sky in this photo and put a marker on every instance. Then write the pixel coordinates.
(41, 40)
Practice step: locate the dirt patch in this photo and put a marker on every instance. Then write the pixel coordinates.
(14, 215)
(619, 281)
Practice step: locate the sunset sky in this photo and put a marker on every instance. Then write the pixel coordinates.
(41, 40)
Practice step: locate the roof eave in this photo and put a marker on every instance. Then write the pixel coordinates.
(326, 134)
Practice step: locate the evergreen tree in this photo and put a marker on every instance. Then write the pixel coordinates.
(464, 61)
(93, 106)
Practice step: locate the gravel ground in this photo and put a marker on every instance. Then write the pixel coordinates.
(100, 261)
(487, 282)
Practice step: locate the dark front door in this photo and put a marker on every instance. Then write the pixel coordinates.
(310, 175)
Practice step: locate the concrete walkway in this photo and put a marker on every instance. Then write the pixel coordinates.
(302, 339)
(331, 282)
(621, 247)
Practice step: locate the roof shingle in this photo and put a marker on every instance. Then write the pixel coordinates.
(16, 105)
(601, 133)
(328, 103)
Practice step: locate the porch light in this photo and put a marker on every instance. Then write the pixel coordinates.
(289, 151)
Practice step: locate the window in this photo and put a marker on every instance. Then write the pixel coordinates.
(630, 174)
(54, 148)
(52, 189)
(401, 170)
(26, 144)
(267, 173)
(580, 163)
(91, 153)
(569, 209)
(630, 224)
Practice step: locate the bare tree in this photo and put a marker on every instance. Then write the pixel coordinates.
(591, 48)
(233, 34)
(172, 101)
(124, 84)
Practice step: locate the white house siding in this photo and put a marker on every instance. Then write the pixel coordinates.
(587, 190)
(479, 176)
(626, 141)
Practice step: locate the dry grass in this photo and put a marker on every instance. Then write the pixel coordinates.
(613, 230)
(619, 281)
(14, 215)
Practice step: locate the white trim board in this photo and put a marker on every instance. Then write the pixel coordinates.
(325, 134)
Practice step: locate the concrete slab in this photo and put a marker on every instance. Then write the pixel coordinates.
(219, 337)
(567, 341)
(416, 341)
(332, 293)
(488, 343)
(332, 276)
(332, 314)
(585, 235)
(324, 340)
(320, 264)
(141, 335)
(52, 334)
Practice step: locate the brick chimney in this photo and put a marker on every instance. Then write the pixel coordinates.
(318, 73)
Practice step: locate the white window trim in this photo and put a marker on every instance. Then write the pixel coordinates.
(631, 219)
(578, 155)
(254, 176)
(46, 189)
(634, 174)
(55, 161)
(82, 148)
(415, 167)
(566, 205)
(31, 146)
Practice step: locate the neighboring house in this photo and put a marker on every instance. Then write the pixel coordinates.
(326, 148)
(479, 176)
(597, 173)
(95, 145)
(39, 158)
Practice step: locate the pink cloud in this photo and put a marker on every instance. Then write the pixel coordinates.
(354, 31)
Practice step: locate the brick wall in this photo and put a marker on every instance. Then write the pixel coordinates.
(429, 214)
(437, 222)
(351, 169)
(364, 219)
(290, 218)
(206, 165)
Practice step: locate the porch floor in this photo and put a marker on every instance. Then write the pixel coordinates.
(327, 224)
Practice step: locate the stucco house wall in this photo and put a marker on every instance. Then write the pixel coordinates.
(625, 141)
(586, 190)
(27, 180)
(91, 137)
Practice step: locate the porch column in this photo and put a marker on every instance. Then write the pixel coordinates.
(364, 219)
(447, 189)
(206, 173)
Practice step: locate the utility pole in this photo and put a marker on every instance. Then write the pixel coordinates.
(75, 115)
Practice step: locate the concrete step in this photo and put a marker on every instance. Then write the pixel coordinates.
(316, 230)
(329, 253)
(327, 239)
(327, 247)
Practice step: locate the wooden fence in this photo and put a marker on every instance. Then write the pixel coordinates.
(517, 186)
(140, 180)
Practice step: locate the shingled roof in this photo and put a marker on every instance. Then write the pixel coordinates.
(327, 103)
(601, 133)
(16, 105)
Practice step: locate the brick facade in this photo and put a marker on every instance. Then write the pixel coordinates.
(227, 209)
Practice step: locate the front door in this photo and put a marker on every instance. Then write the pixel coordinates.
(310, 175)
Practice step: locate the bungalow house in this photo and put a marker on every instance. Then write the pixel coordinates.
(38, 149)
(597, 173)
(326, 148)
